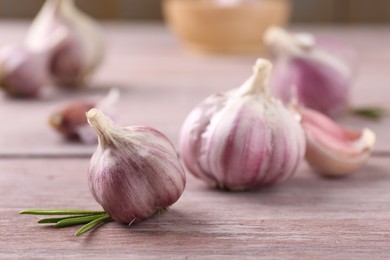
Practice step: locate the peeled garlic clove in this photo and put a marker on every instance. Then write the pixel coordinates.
(333, 150)
(244, 138)
(134, 172)
(321, 69)
(82, 51)
(70, 121)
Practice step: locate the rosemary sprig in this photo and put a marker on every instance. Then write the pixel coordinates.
(374, 113)
(61, 212)
(55, 220)
(91, 225)
(78, 220)
(91, 219)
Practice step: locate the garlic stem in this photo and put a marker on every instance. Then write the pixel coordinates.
(58, 4)
(289, 44)
(258, 83)
(102, 125)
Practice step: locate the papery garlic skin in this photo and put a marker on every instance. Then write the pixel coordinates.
(83, 49)
(332, 150)
(321, 70)
(135, 170)
(244, 138)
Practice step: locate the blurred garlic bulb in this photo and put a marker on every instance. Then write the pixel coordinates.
(321, 69)
(82, 51)
(135, 170)
(333, 150)
(71, 122)
(244, 138)
(23, 70)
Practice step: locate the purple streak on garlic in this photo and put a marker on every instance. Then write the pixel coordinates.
(70, 121)
(321, 69)
(135, 170)
(244, 138)
(82, 51)
(331, 149)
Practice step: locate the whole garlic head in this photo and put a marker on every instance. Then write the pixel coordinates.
(321, 69)
(23, 70)
(135, 170)
(244, 138)
(82, 51)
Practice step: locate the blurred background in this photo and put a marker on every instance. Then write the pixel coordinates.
(304, 11)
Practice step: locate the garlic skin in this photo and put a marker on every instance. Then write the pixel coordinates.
(321, 69)
(243, 139)
(332, 150)
(70, 121)
(135, 170)
(82, 52)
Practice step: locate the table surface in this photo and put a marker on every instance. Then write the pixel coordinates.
(306, 216)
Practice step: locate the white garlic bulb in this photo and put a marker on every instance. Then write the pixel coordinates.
(82, 51)
(331, 149)
(244, 138)
(134, 172)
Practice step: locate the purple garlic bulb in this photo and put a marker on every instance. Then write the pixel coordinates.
(321, 70)
(244, 138)
(24, 70)
(82, 51)
(135, 170)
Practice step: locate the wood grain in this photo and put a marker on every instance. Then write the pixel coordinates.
(305, 217)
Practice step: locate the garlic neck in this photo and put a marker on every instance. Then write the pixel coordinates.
(258, 83)
(58, 5)
(288, 44)
(103, 127)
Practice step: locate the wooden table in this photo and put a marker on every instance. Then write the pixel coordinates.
(307, 216)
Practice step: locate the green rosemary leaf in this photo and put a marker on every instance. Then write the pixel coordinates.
(60, 212)
(93, 224)
(55, 220)
(375, 113)
(78, 220)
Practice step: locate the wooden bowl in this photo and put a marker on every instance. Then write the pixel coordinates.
(206, 26)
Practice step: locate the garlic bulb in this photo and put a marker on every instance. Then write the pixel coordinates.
(70, 121)
(24, 71)
(321, 69)
(333, 150)
(82, 51)
(244, 138)
(135, 170)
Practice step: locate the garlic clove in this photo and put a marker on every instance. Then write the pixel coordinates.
(83, 50)
(135, 170)
(70, 121)
(244, 138)
(331, 149)
(321, 69)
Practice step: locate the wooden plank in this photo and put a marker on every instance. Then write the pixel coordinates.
(307, 217)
